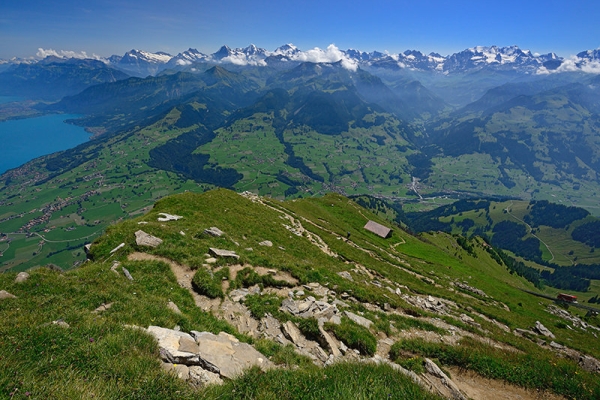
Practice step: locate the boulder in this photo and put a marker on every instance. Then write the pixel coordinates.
(266, 243)
(542, 330)
(144, 239)
(21, 277)
(289, 305)
(169, 344)
(225, 355)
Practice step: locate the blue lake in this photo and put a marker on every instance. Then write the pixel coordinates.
(23, 140)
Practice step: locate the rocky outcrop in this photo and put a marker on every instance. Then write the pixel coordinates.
(576, 321)
(207, 357)
(465, 286)
(227, 356)
(542, 330)
(430, 303)
(310, 308)
(291, 331)
(169, 342)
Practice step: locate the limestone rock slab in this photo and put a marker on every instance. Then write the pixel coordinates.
(223, 253)
(358, 319)
(169, 346)
(225, 355)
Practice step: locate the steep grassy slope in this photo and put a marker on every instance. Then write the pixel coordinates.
(97, 355)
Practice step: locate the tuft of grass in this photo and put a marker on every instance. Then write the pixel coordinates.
(248, 277)
(208, 283)
(414, 364)
(310, 329)
(282, 355)
(261, 305)
(338, 381)
(354, 336)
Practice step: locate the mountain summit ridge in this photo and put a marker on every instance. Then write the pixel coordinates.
(473, 58)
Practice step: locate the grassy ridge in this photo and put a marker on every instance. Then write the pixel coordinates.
(98, 355)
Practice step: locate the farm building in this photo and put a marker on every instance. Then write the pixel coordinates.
(378, 229)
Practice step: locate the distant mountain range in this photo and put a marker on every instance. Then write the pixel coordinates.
(485, 122)
(143, 63)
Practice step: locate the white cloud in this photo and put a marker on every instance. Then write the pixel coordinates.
(242, 59)
(591, 67)
(330, 55)
(574, 64)
(43, 53)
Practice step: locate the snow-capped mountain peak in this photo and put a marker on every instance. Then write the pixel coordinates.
(145, 56)
(287, 50)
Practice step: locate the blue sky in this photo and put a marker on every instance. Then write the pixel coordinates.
(106, 27)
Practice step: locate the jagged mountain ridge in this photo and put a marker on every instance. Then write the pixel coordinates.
(143, 63)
